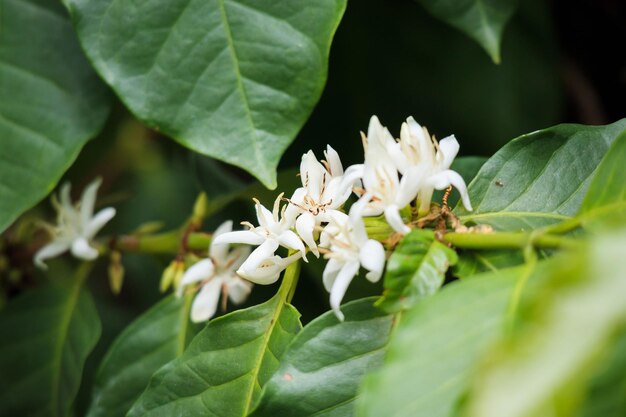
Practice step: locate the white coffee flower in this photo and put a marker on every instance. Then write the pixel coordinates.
(349, 249)
(425, 163)
(320, 196)
(385, 192)
(76, 225)
(217, 275)
(274, 230)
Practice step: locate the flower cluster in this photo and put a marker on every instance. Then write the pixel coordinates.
(395, 174)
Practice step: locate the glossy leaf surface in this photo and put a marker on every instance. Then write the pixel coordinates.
(47, 334)
(321, 371)
(234, 80)
(51, 102)
(154, 339)
(225, 366)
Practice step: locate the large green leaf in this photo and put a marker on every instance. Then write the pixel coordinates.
(47, 334)
(154, 339)
(540, 178)
(51, 102)
(433, 353)
(225, 366)
(321, 371)
(605, 202)
(416, 269)
(235, 80)
(481, 20)
(544, 368)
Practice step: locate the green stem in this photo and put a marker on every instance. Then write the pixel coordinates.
(508, 240)
(290, 280)
(168, 242)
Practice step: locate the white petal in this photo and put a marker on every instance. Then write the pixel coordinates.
(448, 177)
(64, 197)
(263, 215)
(372, 258)
(260, 254)
(238, 289)
(220, 250)
(98, 221)
(333, 266)
(424, 143)
(340, 286)
(351, 176)
(199, 271)
(314, 173)
(237, 257)
(305, 224)
(449, 148)
(247, 237)
(88, 201)
(269, 270)
(392, 215)
(332, 157)
(51, 250)
(205, 304)
(290, 240)
(409, 185)
(81, 249)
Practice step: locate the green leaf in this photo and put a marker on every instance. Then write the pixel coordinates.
(235, 80)
(481, 20)
(47, 334)
(605, 203)
(540, 178)
(544, 368)
(416, 269)
(433, 353)
(472, 262)
(154, 339)
(321, 371)
(225, 366)
(51, 102)
(606, 395)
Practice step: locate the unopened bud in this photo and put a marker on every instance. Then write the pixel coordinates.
(116, 272)
(172, 275)
(200, 209)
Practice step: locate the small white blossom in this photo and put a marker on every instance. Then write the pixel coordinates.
(217, 275)
(425, 163)
(274, 230)
(348, 249)
(320, 196)
(76, 225)
(385, 192)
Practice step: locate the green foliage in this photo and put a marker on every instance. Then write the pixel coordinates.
(605, 202)
(51, 102)
(481, 20)
(540, 178)
(321, 370)
(157, 337)
(46, 336)
(415, 270)
(235, 80)
(434, 352)
(543, 369)
(225, 366)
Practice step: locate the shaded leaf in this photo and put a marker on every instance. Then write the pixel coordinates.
(540, 178)
(225, 366)
(605, 202)
(234, 80)
(47, 334)
(321, 371)
(154, 339)
(51, 102)
(416, 269)
(481, 20)
(543, 369)
(433, 354)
